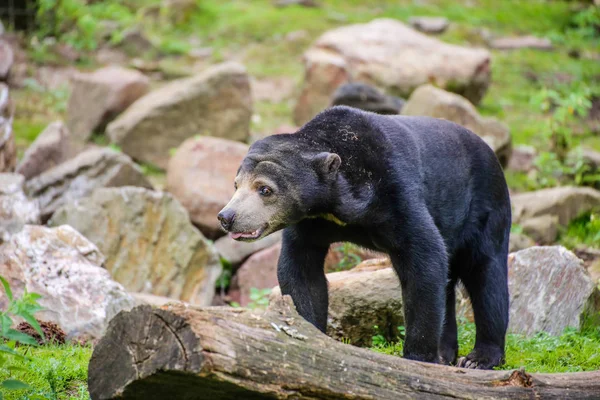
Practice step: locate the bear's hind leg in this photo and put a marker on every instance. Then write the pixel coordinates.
(487, 284)
(449, 341)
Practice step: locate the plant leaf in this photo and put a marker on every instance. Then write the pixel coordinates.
(13, 384)
(9, 293)
(21, 337)
(33, 322)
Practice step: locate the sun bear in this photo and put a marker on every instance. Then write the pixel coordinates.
(426, 191)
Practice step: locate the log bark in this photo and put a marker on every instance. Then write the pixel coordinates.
(181, 352)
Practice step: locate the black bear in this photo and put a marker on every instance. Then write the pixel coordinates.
(428, 192)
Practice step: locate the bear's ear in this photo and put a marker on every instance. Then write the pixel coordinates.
(327, 163)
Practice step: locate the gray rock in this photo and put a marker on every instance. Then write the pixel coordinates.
(8, 150)
(200, 175)
(519, 241)
(66, 270)
(216, 102)
(543, 229)
(98, 97)
(148, 240)
(429, 24)
(79, 176)
(7, 58)
(565, 203)
(434, 102)
(391, 56)
(16, 210)
(550, 291)
(521, 42)
(522, 158)
(368, 98)
(236, 252)
(52, 147)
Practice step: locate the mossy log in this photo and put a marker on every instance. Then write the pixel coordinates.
(182, 352)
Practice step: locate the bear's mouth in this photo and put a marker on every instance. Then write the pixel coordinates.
(247, 236)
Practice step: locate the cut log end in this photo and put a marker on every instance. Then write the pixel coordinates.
(182, 352)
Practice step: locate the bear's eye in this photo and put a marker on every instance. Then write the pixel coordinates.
(265, 191)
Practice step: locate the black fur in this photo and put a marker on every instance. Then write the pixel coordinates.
(428, 192)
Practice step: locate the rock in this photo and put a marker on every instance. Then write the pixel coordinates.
(389, 55)
(153, 300)
(341, 257)
(79, 176)
(430, 101)
(200, 175)
(550, 291)
(52, 147)
(216, 103)
(135, 42)
(543, 229)
(66, 270)
(259, 271)
(273, 90)
(519, 241)
(429, 24)
(149, 243)
(521, 42)
(8, 150)
(566, 203)
(16, 210)
(522, 158)
(366, 97)
(235, 252)
(7, 58)
(98, 97)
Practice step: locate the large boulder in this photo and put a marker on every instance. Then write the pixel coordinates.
(7, 58)
(16, 210)
(52, 147)
(390, 55)
(8, 150)
(200, 175)
(98, 97)
(66, 270)
(149, 243)
(79, 176)
(550, 290)
(434, 102)
(235, 252)
(216, 102)
(258, 272)
(542, 211)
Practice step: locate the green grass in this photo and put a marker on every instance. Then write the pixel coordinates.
(573, 351)
(54, 372)
(584, 230)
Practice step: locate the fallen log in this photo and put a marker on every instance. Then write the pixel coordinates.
(181, 352)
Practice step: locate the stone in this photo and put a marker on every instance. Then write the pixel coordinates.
(391, 56)
(430, 101)
(543, 229)
(273, 90)
(8, 150)
(7, 58)
(566, 203)
(151, 299)
(52, 147)
(366, 97)
(16, 210)
(521, 42)
(550, 291)
(98, 97)
(200, 175)
(79, 176)
(340, 257)
(149, 243)
(519, 241)
(429, 24)
(236, 252)
(522, 158)
(259, 272)
(216, 102)
(66, 270)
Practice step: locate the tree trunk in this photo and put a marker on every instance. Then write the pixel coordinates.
(181, 352)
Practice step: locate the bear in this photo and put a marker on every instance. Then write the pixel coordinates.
(428, 192)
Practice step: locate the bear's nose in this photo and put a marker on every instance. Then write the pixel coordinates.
(226, 217)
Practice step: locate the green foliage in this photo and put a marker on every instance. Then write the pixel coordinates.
(570, 352)
(583, 230)
(350, 257)
(259, 298)
(23, 307)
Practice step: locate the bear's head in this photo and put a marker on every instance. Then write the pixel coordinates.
(281, 181)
